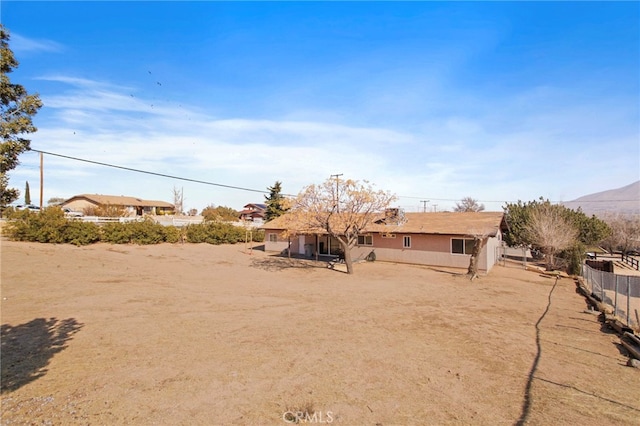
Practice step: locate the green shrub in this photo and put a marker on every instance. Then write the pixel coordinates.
(147, 231)
(115, 233)
(574, 256)
(258, 235)
(215, 233)
(43, 227)
(50, 226)
(173, 234)
(81, 233)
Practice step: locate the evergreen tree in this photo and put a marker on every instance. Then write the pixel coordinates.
(7, 195)
(16, 108)
(275, 202)
(27, 194)
(553, 229)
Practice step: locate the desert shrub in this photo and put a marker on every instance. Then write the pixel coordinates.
(214, 233)
(45, 226)
(140, 232)
(258, 235)
(147, 231)
(115, 233)
(49, 226)
(574, 256)
(196, 233)
(18, 228)
(173, 234)
(81, 233)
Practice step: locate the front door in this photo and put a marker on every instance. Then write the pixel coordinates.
(301, 244)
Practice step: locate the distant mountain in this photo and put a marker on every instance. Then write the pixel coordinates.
(625, 200)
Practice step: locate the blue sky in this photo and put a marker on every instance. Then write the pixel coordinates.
(499, 101)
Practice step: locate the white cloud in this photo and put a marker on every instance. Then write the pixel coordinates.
(491, 154)
(23, 44)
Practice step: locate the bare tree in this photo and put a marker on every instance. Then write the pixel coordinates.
(625, 232)
(341, 208)
(178, 200)
(480, 239)
(468, 204)
(550, 230)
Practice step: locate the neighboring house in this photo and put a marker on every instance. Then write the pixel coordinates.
(434, 239)
(132, 205)
(253, 212)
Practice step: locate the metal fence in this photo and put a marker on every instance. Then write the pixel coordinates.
(621, 292)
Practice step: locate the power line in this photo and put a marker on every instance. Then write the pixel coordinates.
(240, 188)
(130, 169)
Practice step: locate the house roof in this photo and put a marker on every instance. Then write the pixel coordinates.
(256, 205)
(119, 200)
(447, 223)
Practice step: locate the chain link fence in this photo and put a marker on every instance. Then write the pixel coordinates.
(621, 292)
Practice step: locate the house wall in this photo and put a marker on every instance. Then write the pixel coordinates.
(493, 252)
(279, 245)
(79, 205)
(432, 250)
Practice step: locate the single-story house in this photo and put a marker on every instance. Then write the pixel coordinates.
(253, 212)
(442, 239)
(132, 205)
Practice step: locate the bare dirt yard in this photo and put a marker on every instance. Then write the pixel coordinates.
(201, 334)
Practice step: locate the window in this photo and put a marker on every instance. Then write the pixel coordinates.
(406, 241)
(273, 238)
(365, 240)
(461, 246)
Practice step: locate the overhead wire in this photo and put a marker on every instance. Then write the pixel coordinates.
(240, 188)
(131, 169)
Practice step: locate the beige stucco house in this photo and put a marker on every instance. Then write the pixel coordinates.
(132, 205)
(435, 239)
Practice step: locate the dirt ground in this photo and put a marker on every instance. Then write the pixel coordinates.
(200, 334)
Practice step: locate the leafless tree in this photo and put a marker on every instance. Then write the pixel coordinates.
(550, 231)
(468, 204)
(178, 200)
(341, 208)
(480, 239)
(625, 232)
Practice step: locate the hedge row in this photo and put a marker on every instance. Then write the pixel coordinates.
(51, 226)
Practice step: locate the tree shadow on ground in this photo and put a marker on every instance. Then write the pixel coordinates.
(28, 348)
(279, 263)
(528, 396)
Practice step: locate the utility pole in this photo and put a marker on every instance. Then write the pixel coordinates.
(337, 200)
(424, 205)
(435, 208)
(41, 177)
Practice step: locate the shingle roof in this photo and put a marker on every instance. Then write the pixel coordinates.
(258, 205)
(467, 223)
(120, 200)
